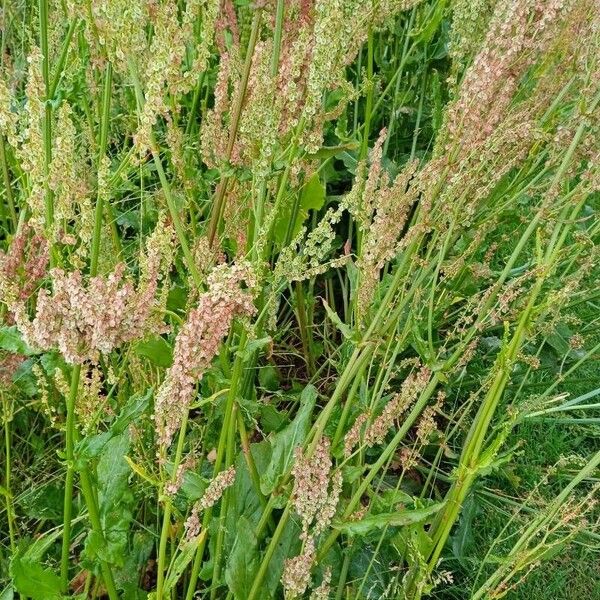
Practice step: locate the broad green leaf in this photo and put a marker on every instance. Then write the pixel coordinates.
(244, 500)
(136, 558)
(254, 345)
(395, 519)
(33, 580)
(43, 502)
(286, 441)
(12, 341)
(157, 350)
(243, 560)
(115, 502)
(312, 196)
(38, 547)
(270, 418)
(193, 485)
(25, 380)
(432, 23)
(288, 546)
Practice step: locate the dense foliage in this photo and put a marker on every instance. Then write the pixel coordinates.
(295, 296)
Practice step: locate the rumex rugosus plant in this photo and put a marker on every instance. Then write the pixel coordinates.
(278, 280)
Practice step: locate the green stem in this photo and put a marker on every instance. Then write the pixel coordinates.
(166, 523)
(101, 153)
(219, 202)
(68, 496)
(229, 458)
(7, 187)
(305, 333)
(173, 210)
(47, 119)
(7, 418)
(62, 58)
(246, 449)
(255, 590)
(222, 447)
(88, 494)
(369, 104)
(277, 35)
(90, 501)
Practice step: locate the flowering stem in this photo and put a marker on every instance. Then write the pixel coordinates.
(224, 446)
(166, 523)
(7, 418)
(62, 58)
(369, 105)
(87, 490)
(173, 211)
(47, 119)
(90, 501)
(7, 187)
(304, 329)
(68, 497)
(229, 457)
(277, 34)
(219, 201)
(252, 470)
(101, 153)
(255, 591)
(385, 455)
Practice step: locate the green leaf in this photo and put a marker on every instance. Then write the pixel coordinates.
(330, 151)
(138, 553)
(43, 502)
(7, 593)
(334, 318)
(93, 446)
(255, 345)
(244, 500)
(115, 502)
(268, 378)
(286, 441)
(179, 565)
(243, 560)
(395, 519)
(12, 341)
(288, 545)
(463, 537)
(157, 350)
(312, 196)
(31, 579)
(433, 23)
(270, 418)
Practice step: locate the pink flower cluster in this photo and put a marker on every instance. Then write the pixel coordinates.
(198, 341)
(23, 265)
(85, 319)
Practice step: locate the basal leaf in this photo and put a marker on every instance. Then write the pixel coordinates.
(33, 580)
(115, 502)
(243, 560)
